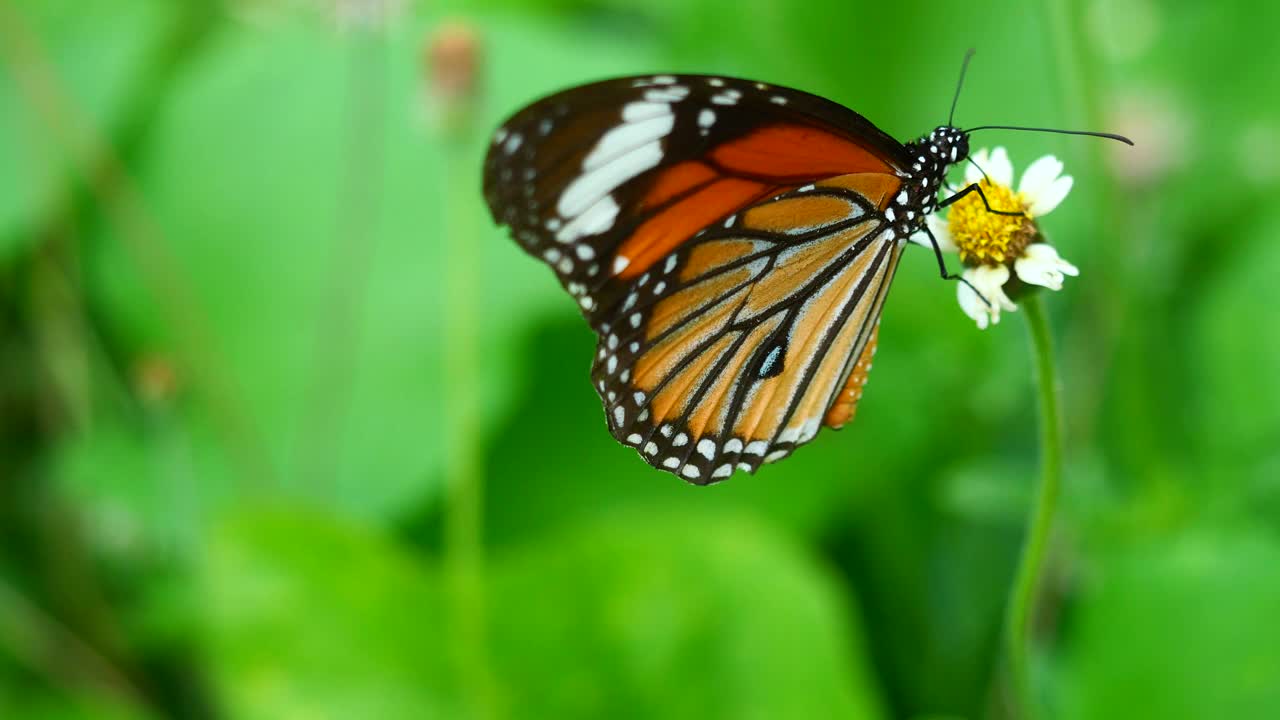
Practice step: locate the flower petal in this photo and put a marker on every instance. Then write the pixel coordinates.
(999, 168)
(1038, 176)
(941, 231)
(1051, 196)
(971, 172)
(1041, 265)
(990, 282)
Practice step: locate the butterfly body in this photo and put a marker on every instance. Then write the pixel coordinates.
(729, 242)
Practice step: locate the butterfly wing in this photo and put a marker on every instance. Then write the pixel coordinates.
(741, 344)
(724, 239)
(603, 180)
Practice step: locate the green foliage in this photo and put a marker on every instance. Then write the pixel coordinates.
(233, 402)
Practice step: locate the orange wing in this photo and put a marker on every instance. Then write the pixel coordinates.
(732, 349)
(605, 181)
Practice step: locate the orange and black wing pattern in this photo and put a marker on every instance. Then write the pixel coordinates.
(727, 242)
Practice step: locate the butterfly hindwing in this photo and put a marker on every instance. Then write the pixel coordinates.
(734, 349)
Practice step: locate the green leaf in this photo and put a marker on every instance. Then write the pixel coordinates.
(1179, 630)
(675, 616)
(311, 617)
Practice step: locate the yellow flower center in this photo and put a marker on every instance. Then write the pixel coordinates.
(984, 237)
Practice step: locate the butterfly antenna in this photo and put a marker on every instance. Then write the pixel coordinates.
(1090, 133)
(964, 67)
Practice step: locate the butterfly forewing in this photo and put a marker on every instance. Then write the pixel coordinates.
(727, 242)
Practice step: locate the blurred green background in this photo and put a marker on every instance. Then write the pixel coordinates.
(289, 430)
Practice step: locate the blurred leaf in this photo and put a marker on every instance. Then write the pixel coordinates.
(675, 616)
(1178, 630)
(311, 617)
(93, 49)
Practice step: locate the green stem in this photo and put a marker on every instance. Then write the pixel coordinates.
(464, 506)
(1035, 547)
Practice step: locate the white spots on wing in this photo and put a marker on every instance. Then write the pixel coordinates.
(553, 224)
(620, 263)
(680, 440)
(723, 471)
(637, 111)
(650, 448)
(778, 100)
(761, 86)
(671, 462)
(805, 189)
(744, 466)
(551, 255)
(588, 303)
(770, 360)
(584, 251)
(499, 135)
(612, 342)
(690, 471)
(662, 79)
(756, 447)
(544, 127)
(639, 397)
(644, 414)
(630, 301)
(659, 287)
(666, 430)
(634, 439)
(727, 97)
(671, 264)
(512, 144)
(707, 448)
(593, 269)
(626, 375)
(612, 365)
(672, 93)
(809, 429)
(643, 279)
(565, 265)
(734, 445)
(890, 215)
(775, 456)
(620, 415)
(902, 198)
(728, 222)
(635, 320)
(715, 82)
(706, 118)
(622, 153)
(588, 196)
(789, 435)
(612, 396)
(634, 346)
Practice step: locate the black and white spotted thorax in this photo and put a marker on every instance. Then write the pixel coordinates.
(931, 155)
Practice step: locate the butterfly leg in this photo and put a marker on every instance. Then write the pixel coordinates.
(978, 189)
(942, 266)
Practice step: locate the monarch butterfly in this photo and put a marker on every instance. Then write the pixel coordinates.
(730, 242)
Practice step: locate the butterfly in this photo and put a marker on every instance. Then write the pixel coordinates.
(730, 242)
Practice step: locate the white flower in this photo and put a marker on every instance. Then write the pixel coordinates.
(1041, 265)
(992, 245)
(988, 280)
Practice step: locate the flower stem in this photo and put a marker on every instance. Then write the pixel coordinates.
(1035, 546)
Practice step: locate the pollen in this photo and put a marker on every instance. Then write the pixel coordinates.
(987, 238)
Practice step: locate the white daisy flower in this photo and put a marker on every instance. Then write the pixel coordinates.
(992, 245)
